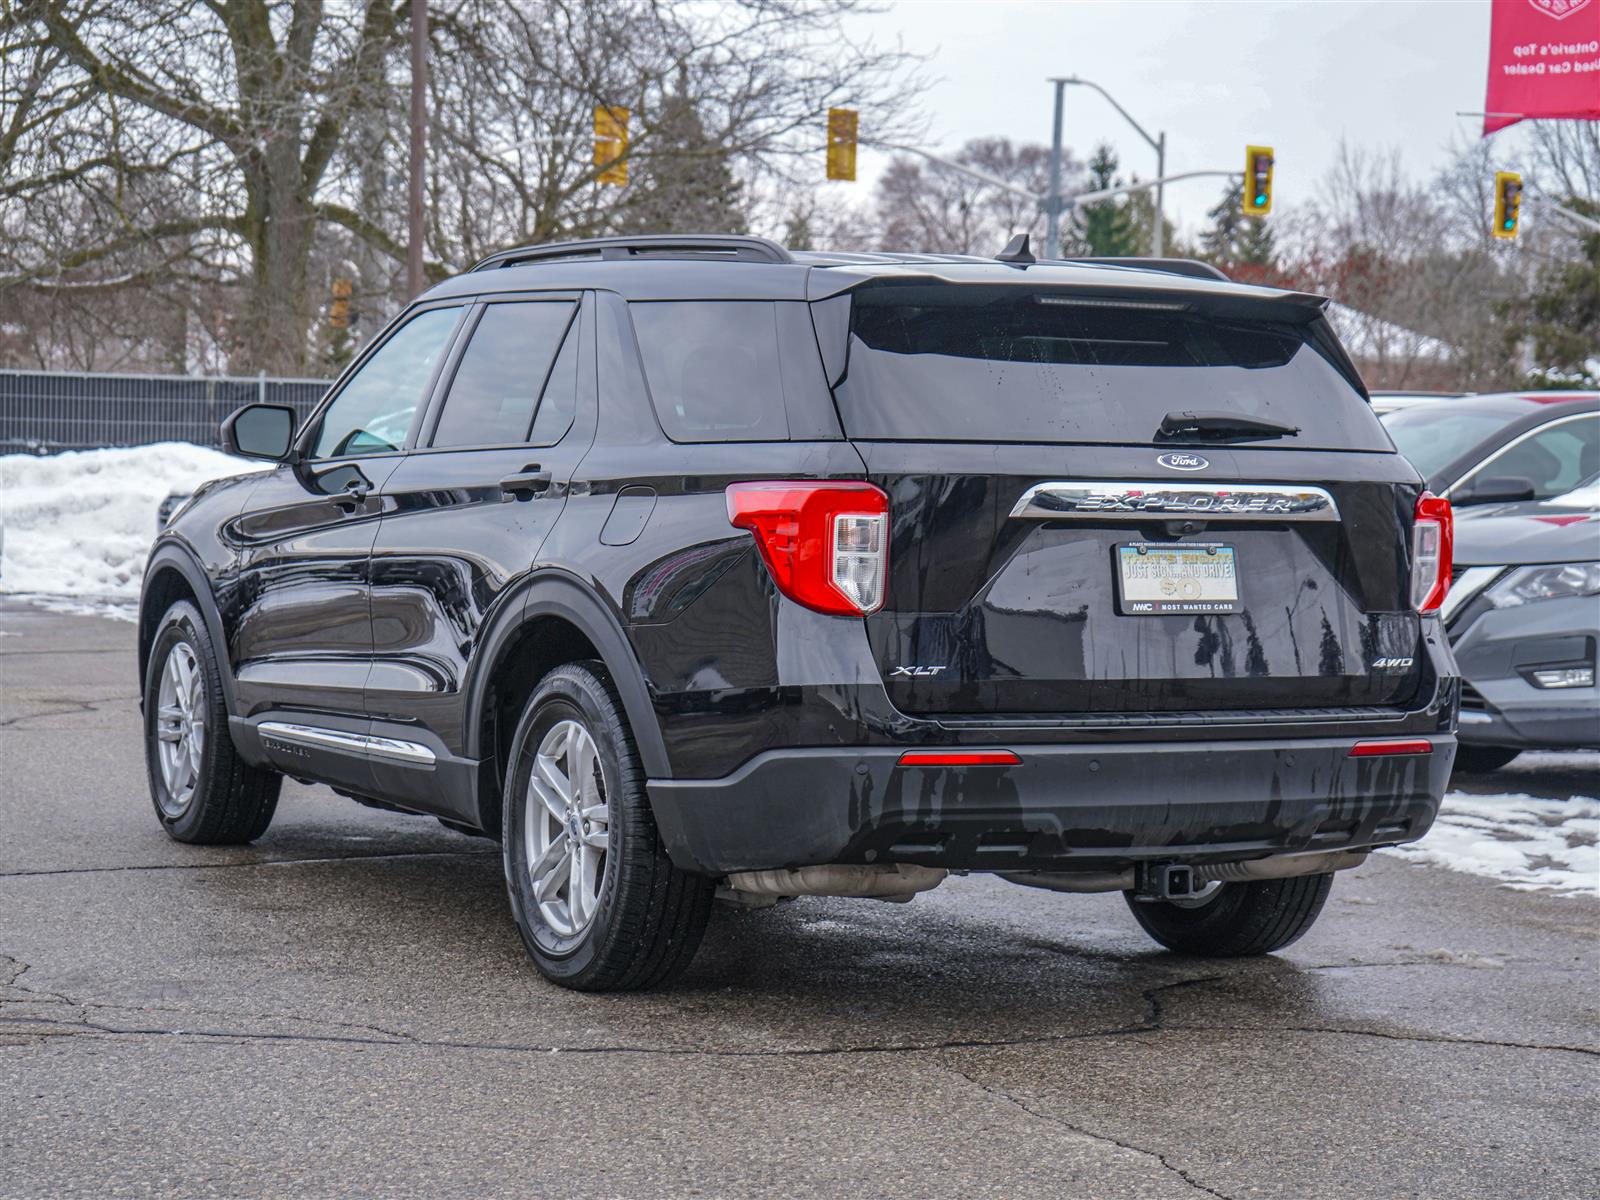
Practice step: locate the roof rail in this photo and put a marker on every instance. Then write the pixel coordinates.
(1172, 266)
(723, 246)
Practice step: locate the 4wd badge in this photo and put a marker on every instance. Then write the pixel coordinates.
(1183, 462)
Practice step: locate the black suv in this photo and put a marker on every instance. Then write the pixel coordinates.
(694, 568)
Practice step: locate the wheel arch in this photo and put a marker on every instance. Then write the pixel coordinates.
(173, 574)
(559, 620)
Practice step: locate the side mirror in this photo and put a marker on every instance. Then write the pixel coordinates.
(1495, 489)
(260, 431)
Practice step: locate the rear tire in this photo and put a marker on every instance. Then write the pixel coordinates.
(1240, 920)
(1479, 760)
(601, 907)
(203, 792)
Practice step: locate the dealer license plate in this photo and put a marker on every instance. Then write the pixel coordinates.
(1174, 577)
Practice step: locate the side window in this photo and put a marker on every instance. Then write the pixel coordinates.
(504, 369)
(559, 404)
(372, 412)
(714, 369)
(1557, 458)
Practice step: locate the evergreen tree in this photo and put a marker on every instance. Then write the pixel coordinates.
(1109, 229)
(1244, 246)
(1560, 321)
(689, 187)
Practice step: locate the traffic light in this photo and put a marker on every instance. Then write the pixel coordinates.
(339, 306)
(842, 144)
(1507, 203)
(611, 144)
(1257, 195)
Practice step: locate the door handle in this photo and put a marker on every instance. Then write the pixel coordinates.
(355, 492)
(526, 483)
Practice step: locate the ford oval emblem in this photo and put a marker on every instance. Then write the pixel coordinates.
(1183, 462)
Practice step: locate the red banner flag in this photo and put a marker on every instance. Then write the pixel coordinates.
(1544, 61)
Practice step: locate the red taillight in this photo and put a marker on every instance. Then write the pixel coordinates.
(1432, 547)
(959, 758)
(824, 543)
(1407, 746)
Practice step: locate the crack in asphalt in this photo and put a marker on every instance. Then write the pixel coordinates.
(388, 1037)
(264, 862)
(1053, 1119)
(69, 707)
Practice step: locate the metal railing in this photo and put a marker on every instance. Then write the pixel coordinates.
(45, 411)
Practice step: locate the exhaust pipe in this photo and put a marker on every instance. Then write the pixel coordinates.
(896, 881)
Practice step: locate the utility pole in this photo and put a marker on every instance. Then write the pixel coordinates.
(419, 144)
(1052, 200)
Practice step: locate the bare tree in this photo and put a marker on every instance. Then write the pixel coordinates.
(925, 206)
(249, 145)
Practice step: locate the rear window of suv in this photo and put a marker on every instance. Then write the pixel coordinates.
(998, 364)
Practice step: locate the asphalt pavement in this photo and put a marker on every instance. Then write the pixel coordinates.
(344, 1008)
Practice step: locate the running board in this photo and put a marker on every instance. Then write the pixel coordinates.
(365, 745)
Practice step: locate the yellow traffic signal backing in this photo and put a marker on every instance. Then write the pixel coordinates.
(1257, 195)
(842, 144)
(611, 143)
(339, 306)
(1507, 203)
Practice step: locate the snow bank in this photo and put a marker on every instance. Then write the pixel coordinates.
(79, 524)
(1523, 841)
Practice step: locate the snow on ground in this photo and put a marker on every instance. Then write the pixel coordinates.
(78, 525)
(1526, 842)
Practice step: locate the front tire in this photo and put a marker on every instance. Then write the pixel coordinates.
(598, 903)
(203, 792)
(1239, 920)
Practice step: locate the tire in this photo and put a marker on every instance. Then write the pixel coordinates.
(1475, 760)
(203, 792)
(1240, 920)
(638, 919)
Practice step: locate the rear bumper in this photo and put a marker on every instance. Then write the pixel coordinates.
(1063, 807)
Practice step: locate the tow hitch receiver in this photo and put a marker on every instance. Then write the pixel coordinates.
(1164, 881)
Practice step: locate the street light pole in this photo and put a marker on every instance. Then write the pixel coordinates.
(1052, 212)
(1158, 144)
(419, 143)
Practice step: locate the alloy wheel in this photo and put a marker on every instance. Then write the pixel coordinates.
(180, 728)
(567, 829)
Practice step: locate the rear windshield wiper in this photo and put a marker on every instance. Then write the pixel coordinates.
(1224, 425)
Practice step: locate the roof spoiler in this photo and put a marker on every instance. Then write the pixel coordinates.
(726, 247)
(1192, 267)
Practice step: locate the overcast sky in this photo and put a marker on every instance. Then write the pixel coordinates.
(1215, 74)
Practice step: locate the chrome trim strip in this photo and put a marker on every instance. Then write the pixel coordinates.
(412, 754)
(1471, 581)
(1120, 500)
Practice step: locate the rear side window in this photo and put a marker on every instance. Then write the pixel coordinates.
(986, 364)
(502, 375)
(714, 369)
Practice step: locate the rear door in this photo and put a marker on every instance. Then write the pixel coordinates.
(1050, 554)
(468, 509)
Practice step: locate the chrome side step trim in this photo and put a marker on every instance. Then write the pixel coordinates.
(412, 754)
(1084, 500)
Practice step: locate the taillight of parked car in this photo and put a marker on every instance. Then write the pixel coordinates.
(825, 543)
(1432, 543)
